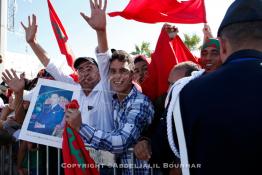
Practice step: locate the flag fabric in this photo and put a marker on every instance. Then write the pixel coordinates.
(60, 35)
(173, 11)
(74, 75)
(74, 152)
(167, 54)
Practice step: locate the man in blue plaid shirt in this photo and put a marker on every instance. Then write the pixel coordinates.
(132, 111)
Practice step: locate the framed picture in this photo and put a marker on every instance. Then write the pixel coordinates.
(44, 121)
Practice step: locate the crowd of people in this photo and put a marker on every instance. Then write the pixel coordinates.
(217, 100)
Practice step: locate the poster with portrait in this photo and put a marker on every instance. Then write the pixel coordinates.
(44, 121)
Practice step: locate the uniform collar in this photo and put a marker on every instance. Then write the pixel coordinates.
(242, 54)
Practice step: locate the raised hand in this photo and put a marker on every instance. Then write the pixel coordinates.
(98, 15)
(207, 32)
(13, 81)
(171, 30)
(30, 31)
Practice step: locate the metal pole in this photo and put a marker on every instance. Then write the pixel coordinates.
(28, 162)
(4, 156)
(47, 160)
(10, 160)
(37, 160)
(152, 170)
(59, 161)
(2, 160)
(115, 170)
(132, 161)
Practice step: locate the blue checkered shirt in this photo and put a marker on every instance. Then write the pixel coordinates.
(131, 116)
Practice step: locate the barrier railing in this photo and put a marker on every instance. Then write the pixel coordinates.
(6, 165)
(8, 161)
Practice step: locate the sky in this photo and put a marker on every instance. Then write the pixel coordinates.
(122, 34)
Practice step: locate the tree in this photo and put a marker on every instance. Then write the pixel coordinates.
(191, 41)
(143, 49)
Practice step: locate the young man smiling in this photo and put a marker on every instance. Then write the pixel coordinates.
(210, 57)
(132, 111)
(121, 73)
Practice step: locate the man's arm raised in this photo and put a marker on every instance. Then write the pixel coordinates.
(98, 22)
(30, 33)
(207, 33)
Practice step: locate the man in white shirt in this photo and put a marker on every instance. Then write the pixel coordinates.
(95, 97)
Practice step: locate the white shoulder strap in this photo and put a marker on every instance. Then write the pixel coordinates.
(181, 138)
(174, 111)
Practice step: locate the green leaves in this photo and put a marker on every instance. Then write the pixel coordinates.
(143, 49)
(191, 41)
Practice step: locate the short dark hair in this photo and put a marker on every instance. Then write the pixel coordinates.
(243, 34)
(30, 84)
(44, 74)
(140, 58)
(122, 56)
(188, 66)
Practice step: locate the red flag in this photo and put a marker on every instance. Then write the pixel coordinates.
(167, 54)
(60, 34)
(174, 11)
(74, 152)
(74, 75)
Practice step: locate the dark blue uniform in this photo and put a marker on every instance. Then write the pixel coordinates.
(222, 117)
(50, 117)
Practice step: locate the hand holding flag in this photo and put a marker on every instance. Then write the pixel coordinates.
(73, 115)
(74, 151)
(171, 31)
(207, 32)
(72, 105)
(168, 53)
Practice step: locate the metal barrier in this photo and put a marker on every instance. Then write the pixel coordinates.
(8, 162)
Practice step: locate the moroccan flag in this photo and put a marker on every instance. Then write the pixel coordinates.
(74, 152)
(167, 54)
(173, 11)
(60, 35)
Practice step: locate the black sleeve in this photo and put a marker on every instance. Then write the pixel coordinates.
(159, 106)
